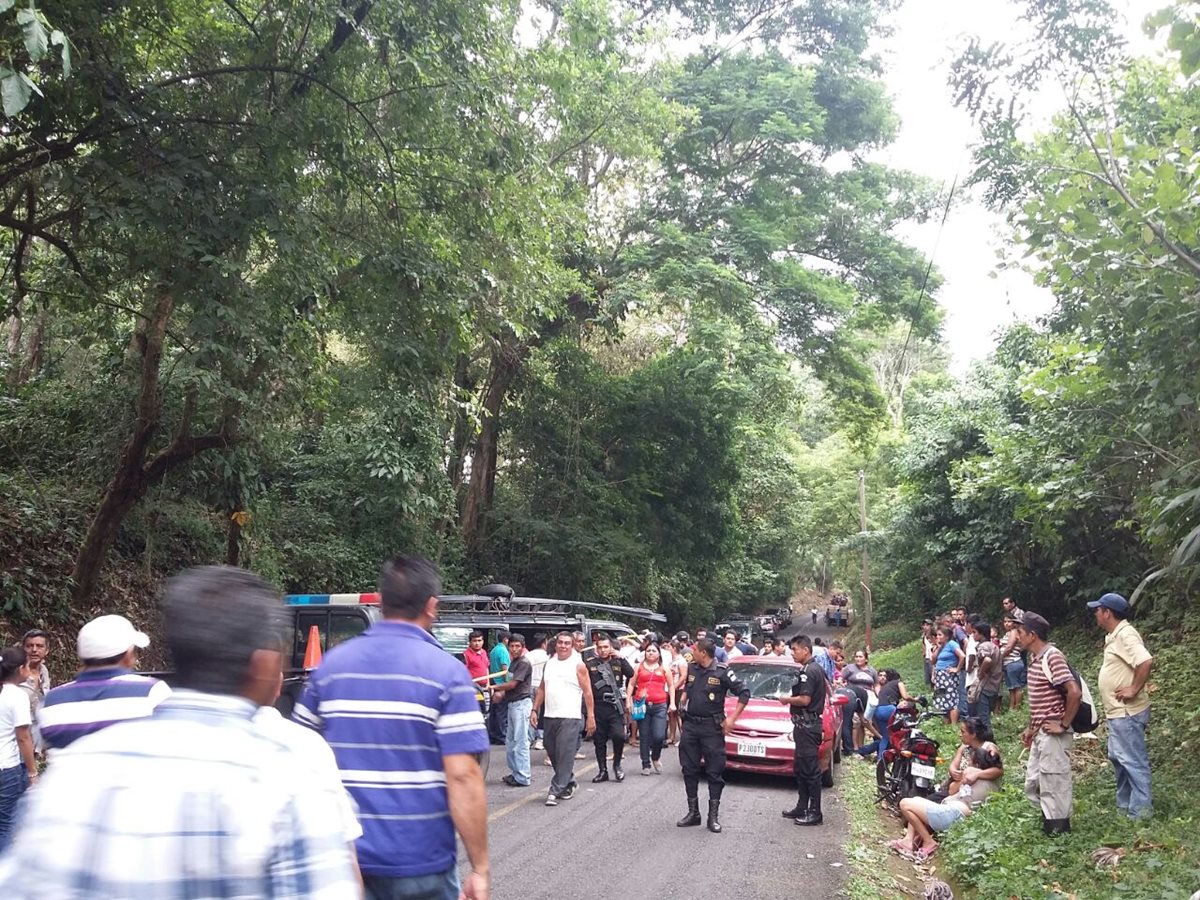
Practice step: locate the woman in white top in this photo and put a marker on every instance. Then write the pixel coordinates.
(17, 766)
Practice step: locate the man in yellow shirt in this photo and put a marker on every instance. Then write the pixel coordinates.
(1123, 676)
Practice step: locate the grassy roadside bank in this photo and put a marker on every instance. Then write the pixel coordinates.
(1000, 852)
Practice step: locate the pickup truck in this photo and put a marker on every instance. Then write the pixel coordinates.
(838, 611)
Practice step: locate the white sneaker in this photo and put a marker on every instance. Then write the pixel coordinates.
(537, 745)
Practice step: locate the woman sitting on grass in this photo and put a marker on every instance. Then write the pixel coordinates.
(975, 772)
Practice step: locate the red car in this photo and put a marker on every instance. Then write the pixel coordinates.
(762, 737)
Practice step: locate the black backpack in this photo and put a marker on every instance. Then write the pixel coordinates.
(1085, 720)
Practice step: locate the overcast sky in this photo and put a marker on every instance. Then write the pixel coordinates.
(935, 141)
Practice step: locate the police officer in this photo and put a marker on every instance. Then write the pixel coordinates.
(807, 703)
(702, 744)
(608, 672)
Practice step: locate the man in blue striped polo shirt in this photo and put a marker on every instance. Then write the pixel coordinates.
(106, 690)
(402, 718)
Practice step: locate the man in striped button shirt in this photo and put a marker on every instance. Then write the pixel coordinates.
(401, 715)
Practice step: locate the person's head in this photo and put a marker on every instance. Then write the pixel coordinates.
(580, 640)
(959, 614)
(1032, 631)
(653, 654)
(927, 628)
(502, 636)
(730, 639)
(818, 642)
(110, 641)
(1010, 622)
(408, 590)
(945, 634)
(780, 647)
(516, 645)
(538, 641)
(36, 644)
(769, 644)
(974, 731)
(564, 644)
(1007, 604)
(224, 627)
(602, 644)
(598, 636)
(681, 639)
(475, 640)
(703, 651)
(701, 634)
(887, 675)
(860, 658)
(1110, 611)
(801, 648)
(13, 667)
(981, 629)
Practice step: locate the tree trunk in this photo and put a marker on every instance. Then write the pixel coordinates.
(136, 470)
(461, 434)
(36, 347)
(503, 370)
(13, 345)
(233, 543)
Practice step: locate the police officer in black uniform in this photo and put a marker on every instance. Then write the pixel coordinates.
(702, 744)
(608, 672)
(807, 703)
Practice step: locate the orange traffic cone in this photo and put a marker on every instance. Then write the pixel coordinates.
(312, 649)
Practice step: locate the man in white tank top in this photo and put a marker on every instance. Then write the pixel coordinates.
(565, 683)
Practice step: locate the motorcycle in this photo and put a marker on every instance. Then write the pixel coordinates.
(909, 765)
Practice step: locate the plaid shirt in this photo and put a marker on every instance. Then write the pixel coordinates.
(193, 801)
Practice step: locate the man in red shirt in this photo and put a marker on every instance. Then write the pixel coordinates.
(476, 659)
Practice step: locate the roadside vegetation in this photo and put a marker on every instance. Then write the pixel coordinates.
(1000, 851)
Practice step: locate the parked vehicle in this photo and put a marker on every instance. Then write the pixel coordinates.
(747, 628)
(783, 616)
(768, 624)
(762, 741)
(909, 765)
(837, 612)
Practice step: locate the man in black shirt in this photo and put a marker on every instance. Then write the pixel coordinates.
(807, 703)
(608, 672)
(516, 697)
(702, 744)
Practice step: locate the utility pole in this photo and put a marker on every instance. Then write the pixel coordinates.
(866, 562)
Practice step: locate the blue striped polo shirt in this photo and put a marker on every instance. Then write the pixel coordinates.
(96, 699)
(391, 703)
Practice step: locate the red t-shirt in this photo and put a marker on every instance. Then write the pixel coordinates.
(477, 663)
(652, 685)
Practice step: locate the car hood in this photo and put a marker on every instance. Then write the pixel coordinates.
(761, 714)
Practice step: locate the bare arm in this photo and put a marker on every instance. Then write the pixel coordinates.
(589, 702)
(25, 745)
(468, 809)
(538, 699)
(1141, 674)
(904, 694)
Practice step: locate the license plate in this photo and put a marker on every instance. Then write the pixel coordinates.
(920, 770)
(751, 748)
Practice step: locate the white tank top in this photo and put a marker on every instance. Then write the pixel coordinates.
(564, 696)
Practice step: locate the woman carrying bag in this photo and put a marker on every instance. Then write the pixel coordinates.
(650, 695)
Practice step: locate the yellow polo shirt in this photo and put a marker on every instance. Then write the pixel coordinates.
(1123, 652)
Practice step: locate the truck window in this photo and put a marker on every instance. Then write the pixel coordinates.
(345, 625)
(453, 637)
(305, 619)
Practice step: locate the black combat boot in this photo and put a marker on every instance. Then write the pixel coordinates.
(693, 814)
(600, 776)
(714, 807)
(618, 774)
(1056, 826)
(796, 811)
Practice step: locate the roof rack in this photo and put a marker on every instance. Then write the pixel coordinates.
(495, 603)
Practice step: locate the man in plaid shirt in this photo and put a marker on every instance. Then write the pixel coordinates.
(193, 801)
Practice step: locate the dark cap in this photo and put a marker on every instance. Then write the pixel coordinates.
(1031, 621)
(682, 636)
(1115, 602)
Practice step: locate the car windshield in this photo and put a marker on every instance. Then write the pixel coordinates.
(767, 681)
(453, 637)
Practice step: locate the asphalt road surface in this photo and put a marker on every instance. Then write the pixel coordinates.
(620, 840)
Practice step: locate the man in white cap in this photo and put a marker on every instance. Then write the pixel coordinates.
(106, 690)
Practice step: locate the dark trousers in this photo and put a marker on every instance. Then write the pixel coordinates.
(654, 733)
(808, 765)
(13, 783)
(497, 723)
(610, 726)
(561, 742)
(702, 749)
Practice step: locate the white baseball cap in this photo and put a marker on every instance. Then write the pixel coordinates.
(109, 636)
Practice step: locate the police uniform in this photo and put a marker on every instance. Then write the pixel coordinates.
(702, 744)
(608, 678)
(810, 682)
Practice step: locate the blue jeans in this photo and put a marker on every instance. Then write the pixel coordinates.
(882, 714)
(983, 708)
(442, 886)
(1127, 750)
(516, 740)
(13, 783)
(653, 733)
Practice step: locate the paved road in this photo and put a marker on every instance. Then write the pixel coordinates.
(610, 836)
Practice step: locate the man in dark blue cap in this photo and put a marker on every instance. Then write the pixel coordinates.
(1123, 676)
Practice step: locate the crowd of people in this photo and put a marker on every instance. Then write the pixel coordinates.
(204, 790)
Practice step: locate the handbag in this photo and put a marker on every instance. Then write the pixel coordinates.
(639, 709)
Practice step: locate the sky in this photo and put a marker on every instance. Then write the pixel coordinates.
(935, 140)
